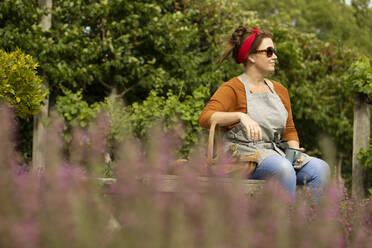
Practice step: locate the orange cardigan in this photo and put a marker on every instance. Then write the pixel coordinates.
(230, 97)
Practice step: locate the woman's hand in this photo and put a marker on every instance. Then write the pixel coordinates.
(227, 118)
(296, 145)
(253, 129)
(301, 159)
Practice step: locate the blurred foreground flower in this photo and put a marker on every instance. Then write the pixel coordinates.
(65, 206)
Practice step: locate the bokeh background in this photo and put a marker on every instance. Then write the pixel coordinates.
(158, 59)
(114, 88)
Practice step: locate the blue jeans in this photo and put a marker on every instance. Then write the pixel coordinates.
(315, 173)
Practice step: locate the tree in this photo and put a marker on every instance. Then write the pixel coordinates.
(39, 131)
(330, 20)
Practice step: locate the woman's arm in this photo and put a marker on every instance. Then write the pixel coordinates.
(293, 144)
(223, 100)
(290, 132)
(220, 111)
(227, 118)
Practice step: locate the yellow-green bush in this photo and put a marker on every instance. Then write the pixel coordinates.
(20, 84)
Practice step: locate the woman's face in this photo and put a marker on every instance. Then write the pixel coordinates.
(260, 60)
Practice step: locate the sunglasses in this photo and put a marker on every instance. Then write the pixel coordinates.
(269, 51)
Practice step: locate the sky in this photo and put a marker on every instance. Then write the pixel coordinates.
(349, 1)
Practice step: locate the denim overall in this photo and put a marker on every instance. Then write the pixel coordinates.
(269, 112)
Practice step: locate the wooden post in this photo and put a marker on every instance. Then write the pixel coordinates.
(39, 131)
(331, 156)
(360, 140)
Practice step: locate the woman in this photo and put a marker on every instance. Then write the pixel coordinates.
(254, 110)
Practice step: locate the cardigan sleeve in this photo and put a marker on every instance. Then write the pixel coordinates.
(226, 99)
(290, 132)
(223, 100)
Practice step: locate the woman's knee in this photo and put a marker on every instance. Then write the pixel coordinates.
(285, 169)
(320, 170)
(280, 167)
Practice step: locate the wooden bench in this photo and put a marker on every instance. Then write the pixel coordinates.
(243, 166)
(170, 183)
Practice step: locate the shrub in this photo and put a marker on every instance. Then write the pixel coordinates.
(19, 83)
(175, 112)
(75, 111)
(171, 110)
(359, 76)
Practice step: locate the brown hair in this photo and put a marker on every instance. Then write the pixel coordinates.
(236, 40)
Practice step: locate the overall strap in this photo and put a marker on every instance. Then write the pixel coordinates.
(246, 87)
(270, 85)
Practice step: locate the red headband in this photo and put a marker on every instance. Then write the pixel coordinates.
(247, 45)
